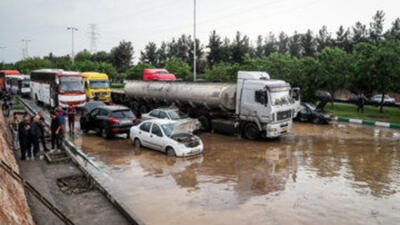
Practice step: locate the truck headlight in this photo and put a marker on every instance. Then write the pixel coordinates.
(272, 129)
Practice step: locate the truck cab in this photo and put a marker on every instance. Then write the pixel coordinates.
(97, 87)
(265, 107)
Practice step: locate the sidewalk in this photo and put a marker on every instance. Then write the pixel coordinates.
(368, 122)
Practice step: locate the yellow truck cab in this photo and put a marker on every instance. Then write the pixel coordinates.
(97, 87)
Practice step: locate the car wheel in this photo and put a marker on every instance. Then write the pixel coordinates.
(104, 133)
(137, 143)
(84, 129)
(128, 134)
(251, 131)
(170, 151)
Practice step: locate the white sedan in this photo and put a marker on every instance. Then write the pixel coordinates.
(173, 138)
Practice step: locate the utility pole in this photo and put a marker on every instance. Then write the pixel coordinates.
(2, 53)
(25, 53)
(72, 29)
(93, 38)
(194, 42)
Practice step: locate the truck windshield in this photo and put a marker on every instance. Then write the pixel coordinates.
(99, 84)
(71, 84)
(281, 98)
(168, 128)
(25, 83)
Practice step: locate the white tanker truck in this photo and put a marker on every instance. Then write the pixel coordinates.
(255, 106)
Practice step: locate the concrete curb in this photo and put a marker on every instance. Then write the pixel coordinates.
(368, 122)
(88, 167)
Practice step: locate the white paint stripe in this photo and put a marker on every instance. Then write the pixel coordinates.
(355, 121)
(382, 124)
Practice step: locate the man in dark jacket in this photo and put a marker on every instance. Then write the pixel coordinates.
(360, 103)
(35, 134)
(23, 136)
(43, 130)
(56, 131)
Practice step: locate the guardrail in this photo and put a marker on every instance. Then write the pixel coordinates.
(95, 173)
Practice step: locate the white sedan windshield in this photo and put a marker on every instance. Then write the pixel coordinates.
(168, 128)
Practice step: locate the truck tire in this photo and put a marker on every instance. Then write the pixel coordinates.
(251, 131)
(205, 123)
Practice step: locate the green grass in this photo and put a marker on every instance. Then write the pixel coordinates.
(391, 115)
(117, 86)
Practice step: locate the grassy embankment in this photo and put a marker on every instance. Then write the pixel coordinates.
(390, 114)
(117, 86)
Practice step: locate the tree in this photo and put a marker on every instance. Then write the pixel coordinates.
(226, 50)
(222, 72)
(101, 56)
(270, 44)
(162, 54)
(179, 68)
(395, 29)
(335, 68)
(199, 53)
(136, 72)
(323, 39)
(376, 26)
(295, 45)
(343, 39)
(108, 69)
(283, 43)
(308, 43)
(27, 65)
(259, 51)
(240, 46)
(215, 54)
(360, 33)
(82, 56)
(149, 55)
(122, 56)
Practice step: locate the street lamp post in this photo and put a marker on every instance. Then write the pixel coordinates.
(72, 29)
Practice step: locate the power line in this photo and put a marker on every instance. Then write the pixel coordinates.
(93, 37)
(72, 29)
(25, 53)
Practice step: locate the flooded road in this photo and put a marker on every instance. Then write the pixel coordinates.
(335, 174)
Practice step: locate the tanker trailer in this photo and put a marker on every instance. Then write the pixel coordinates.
(255, 106)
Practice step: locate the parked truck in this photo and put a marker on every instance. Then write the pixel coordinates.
(255, 106)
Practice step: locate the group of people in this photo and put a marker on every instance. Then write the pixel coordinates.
(29, 133)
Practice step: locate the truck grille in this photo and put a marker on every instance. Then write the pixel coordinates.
(283, 115)
(100, 94)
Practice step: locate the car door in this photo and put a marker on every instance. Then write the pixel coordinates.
(144, 134)
(156, 137)
(101, 119)
(90, 122)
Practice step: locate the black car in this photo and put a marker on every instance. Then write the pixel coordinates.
(108, 120)
(309, 113)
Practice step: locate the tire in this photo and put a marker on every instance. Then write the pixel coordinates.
(128, 134)
(316, 120)
(137, 143)
(84, 130)
(170, 151)
(251, 131)
(104, 133)
(205, 123)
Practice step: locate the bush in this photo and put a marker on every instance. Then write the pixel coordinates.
(136, 72)
(179, 68)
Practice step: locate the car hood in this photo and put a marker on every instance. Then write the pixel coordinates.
(185, 126)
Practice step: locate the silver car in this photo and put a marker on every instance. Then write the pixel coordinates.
(170, 114)
(386, 100)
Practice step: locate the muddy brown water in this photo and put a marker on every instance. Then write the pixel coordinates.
(334, 174)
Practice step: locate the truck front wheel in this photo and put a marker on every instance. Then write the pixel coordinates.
(251, 131)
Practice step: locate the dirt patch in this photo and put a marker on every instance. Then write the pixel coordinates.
(74, 184)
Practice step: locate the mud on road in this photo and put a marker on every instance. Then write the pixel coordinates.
(334, 174)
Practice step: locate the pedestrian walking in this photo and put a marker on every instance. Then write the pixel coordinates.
(71, 112)
(23, 136)
(43, 131)
(56, 130)
(13, 124)
(60, 114)
(35, 134)
(360, 103)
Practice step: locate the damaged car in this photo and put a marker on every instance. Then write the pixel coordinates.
(172, 137)
(314, 114)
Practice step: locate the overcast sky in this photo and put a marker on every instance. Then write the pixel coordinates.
(45, 22)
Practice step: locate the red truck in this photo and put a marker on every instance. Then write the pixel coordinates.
(3, 74)
(158, 74)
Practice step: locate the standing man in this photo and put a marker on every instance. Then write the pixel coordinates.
(42, 131)
(60, 114)
(56, 130)
(71, 112)
(35, 134)
(13, 124)
(23, 135)
(361, 102)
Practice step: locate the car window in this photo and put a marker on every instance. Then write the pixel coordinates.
(174, 115)
(94, 112)
(122, 114)
(145, 127)
(155, 113)
(163, 115)
(156, 130)
(103, 112)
